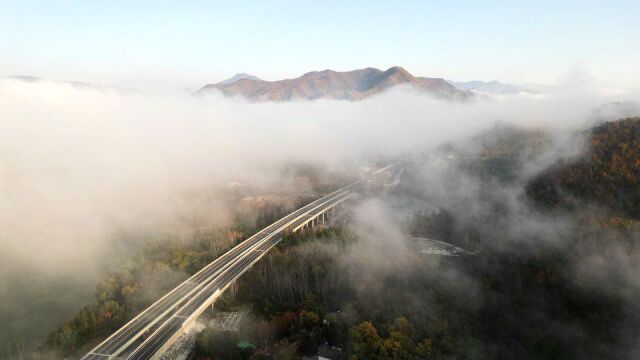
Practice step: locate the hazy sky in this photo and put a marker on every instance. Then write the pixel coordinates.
(189, 43)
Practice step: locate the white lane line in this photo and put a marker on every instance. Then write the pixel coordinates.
(324, 201)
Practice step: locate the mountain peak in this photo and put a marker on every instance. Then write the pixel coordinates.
(398, 70)
(239, 76)
(398, 75)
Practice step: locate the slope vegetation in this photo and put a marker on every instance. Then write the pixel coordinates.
(608, 175)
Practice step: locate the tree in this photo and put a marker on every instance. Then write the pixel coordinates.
(220, 345)
(366, 343)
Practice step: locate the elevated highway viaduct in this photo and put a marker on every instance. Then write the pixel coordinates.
(152, 331)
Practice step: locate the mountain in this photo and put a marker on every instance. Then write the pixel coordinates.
(492, 87)
(329, 84)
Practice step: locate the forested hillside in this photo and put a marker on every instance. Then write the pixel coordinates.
(607, 175)
(543, 285)
(500, 304)
(309, 291)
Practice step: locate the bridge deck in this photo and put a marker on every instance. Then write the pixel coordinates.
(206, 296)
(196, 286)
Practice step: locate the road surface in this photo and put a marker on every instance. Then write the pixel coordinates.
(162, 313)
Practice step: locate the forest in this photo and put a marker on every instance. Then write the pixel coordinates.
(607, 175)
(551, 280)
(541, 287)
(154, 269)
(305, 294)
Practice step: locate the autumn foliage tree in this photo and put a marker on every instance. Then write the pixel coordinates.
(608, 174)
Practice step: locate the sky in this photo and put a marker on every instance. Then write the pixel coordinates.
(187, 44)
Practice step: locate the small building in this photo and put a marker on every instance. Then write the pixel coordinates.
(326, 352)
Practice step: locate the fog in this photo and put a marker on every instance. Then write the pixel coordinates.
(78, 165)
(587, 266)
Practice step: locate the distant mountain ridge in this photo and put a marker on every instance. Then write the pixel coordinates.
(75, 84)
(492, 87)
(329, 84)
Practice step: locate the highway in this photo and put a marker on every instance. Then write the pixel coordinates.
(194, 307)
(197, 289)
(175, 322)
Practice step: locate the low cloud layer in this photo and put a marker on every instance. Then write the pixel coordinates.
(564, 280)
(77, 165)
